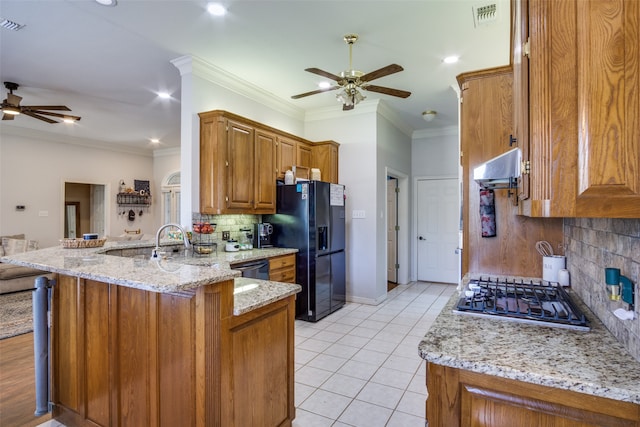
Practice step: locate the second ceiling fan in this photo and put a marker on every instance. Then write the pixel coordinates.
(351, 80)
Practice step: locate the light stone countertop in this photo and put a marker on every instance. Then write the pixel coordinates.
(592, 362)
(164, 276)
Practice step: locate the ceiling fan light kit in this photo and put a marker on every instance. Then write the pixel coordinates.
(352, 81)
(11, 107)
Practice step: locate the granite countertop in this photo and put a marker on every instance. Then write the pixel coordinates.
(166, 275)
(592, 362)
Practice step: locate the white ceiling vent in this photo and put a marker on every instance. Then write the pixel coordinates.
(10, 25)
(485, 13)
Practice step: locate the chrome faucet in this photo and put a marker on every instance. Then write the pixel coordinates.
(154, 254)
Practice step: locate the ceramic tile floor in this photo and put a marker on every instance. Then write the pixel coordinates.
(360, 367)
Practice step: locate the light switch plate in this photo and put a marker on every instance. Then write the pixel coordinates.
(359, 214)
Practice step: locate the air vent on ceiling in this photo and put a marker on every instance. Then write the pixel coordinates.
(10, 25)
(485, 14)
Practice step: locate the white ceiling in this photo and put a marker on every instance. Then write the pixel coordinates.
(108, 63)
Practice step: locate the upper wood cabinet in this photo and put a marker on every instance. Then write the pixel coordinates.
(325, 158)
(240, 161)
(304, 154)
(286, 155)
(484, 134)
(237, 165)
(583, 89)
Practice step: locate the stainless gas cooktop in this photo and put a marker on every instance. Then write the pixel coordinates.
(540, 303)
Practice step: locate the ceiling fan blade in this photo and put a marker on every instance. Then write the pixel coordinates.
(326, 74)
(13, 99)
(48, 113)
(387, 91)
(384, 71)
(46, 107)
(8, 116)
(36, 116)
(313, 92)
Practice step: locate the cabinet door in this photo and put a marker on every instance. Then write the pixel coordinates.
(265, 172)
(608, 102)
(240, 166)
(212, 163)
(520, 61)
(285, 156)
(584, 108)
(325, 158)
(303, 154)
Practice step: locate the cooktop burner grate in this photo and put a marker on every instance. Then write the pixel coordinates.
(524, 301)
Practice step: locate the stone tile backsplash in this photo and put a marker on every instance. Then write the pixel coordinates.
(231, 223)
(592, 244)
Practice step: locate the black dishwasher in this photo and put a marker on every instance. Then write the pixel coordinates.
(258, 269)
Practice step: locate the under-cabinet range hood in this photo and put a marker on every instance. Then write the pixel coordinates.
(501, 171)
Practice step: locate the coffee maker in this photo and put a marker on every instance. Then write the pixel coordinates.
(263, 235)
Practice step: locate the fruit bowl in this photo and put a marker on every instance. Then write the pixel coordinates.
(204, 227)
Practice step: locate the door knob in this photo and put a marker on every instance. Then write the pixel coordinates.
(421, 238)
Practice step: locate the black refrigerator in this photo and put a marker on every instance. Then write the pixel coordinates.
(310, 216)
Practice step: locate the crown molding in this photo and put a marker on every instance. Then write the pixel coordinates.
(206, 70)
(394, 118)
(73, 140)
(166, 152)
(336, 111)
(430, 133)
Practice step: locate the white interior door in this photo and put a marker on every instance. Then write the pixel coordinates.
(438, 226)
(392, 233)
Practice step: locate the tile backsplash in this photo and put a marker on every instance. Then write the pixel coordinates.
(234, 224)
(593, 244)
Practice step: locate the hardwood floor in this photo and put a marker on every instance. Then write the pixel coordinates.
(17, 392)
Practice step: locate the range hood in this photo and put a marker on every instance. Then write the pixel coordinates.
(500, 172)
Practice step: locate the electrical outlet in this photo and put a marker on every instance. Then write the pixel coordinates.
(225, 235)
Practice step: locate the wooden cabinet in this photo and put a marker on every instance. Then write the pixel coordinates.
(461, 398)
(484, 134)
(286, 155)
(325, 158)
(283, 268)
(124, 356)
(304, 154)
(583, 105)
(240, 161)
(237, 165)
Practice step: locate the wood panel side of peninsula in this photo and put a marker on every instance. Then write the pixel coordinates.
(127, 357)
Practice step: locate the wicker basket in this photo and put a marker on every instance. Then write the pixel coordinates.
(81, 243)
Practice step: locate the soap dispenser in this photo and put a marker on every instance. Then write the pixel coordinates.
(619, 287)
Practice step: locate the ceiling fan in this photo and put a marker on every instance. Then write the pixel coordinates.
(351, 80)
(11, 107)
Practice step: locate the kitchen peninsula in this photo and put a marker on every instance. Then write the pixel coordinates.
(492, 372)
(181, 341)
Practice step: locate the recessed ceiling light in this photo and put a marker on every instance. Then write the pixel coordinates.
(107, 2)
(155, 140)
(216, 9)
(164, 95)
(324, 85)
(450, 59)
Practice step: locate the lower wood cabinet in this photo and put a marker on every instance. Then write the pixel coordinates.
(461, 398)
(283, 268)
(128, 357)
